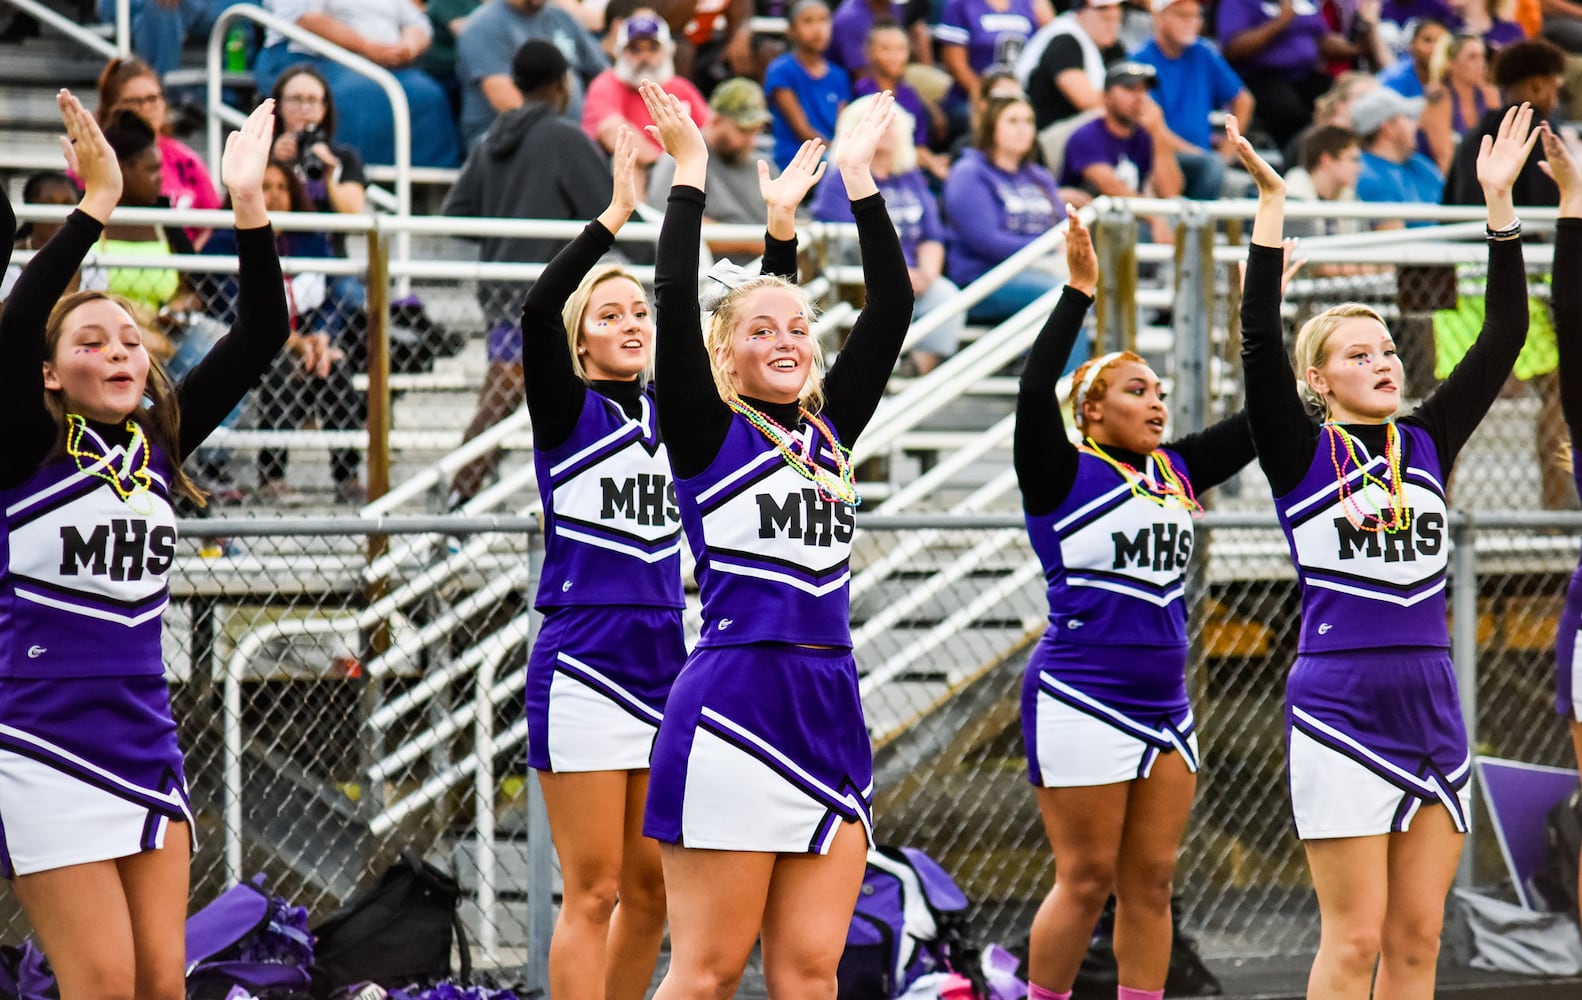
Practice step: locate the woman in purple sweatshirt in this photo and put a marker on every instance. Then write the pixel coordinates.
(998, 201)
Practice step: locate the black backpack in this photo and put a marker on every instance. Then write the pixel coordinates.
(1556, 882)
(395, 933)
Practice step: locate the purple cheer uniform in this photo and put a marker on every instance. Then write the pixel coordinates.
(1374, 727)
(1566, 301)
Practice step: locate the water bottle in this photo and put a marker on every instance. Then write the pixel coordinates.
(236, 49)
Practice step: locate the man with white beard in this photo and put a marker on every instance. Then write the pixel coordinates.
(646, 52)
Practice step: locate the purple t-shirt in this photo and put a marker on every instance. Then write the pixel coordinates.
(992, 37)
(993, 214)
(905, 97)
(1293, 52)
(906, 197)
(849, 29)
(1093, 143)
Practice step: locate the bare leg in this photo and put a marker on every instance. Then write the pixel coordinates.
(638, 927)
(1350, 875)
(155, 885)
(811, 899)
(1156, 819)
(716, 901)
(1084, 826)
(587, 818)
(1422, 866)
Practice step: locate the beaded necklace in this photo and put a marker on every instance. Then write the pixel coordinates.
(99, 465)
(1400, 515)
(839, 485)
(1171, 485)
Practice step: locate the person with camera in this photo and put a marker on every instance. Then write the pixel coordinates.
(331, 172)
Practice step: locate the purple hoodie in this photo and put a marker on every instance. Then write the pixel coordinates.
(993, 214)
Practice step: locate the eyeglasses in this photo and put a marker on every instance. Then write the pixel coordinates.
(146, 101)
(303, 101)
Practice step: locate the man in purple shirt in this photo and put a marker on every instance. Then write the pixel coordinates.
(1114, 155)
(1276, 48)
(849, 27)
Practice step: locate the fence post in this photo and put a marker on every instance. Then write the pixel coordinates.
(1115, 242)
(1464, 655)
(540, 848)
(1190, 324)
(378, 398)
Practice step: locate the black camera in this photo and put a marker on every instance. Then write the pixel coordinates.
(308, 161)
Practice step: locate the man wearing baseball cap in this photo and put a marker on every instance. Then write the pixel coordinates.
(1392, 168)
(644, 52)
(1194, 81)
(738, 114)
(1062, 66)
(1117, 154)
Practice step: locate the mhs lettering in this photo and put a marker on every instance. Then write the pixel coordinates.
(1424, 536)
(123, 550)
(1159, 547)
(807, 516)
(646, 498)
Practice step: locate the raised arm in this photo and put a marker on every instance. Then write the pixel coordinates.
(692, 417)
(1566, 296)
(30, 430)
(238, 360)
(782, 195)
(1452, 411)
(1281, 429)
(1044, 458)
(555, 395)
(855, 384)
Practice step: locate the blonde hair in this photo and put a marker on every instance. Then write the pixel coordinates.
(160, 418)
(722, 321)
(903, 129)
(1099, 386)
(1312, 346)
(572, 313)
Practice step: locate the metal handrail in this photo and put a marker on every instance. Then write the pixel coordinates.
(401, 112)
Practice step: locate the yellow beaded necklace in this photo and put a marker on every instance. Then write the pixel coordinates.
(839, 485)
(1400, 515)
(1171, 485)
(94, 464)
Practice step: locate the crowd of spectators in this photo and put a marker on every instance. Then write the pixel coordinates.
(1014, 109)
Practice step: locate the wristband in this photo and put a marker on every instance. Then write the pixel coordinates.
(1509, 231)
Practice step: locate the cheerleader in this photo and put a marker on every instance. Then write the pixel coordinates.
(1566, 301)
(1376, 751)
(762, 774)
(610, 589)
(93, 803)
(1111, 744)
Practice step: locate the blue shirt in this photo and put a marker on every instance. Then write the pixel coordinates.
(1191, 87)
(1402, 78)
(487, 44)
(821, 99)
(1416, 180)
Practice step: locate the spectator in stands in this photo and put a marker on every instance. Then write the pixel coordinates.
(305, 137)
(974, 36)
(645, 53)
(916, 216)
(885, 52)
(738, 114)
(130, 84)
(1461, 69)
(1413, 76)
(1485, 18)
(447, 18)
(1062, 66)
(997, 201)
(849, 28)
(1331, 161)
(708, 51)
(50, 187)
(1118, 153)
(161, 27)
(310, 380)
(1563, 24)
(1333, 107)
(1277, 56)
(532, 164)
(1532, 72)
(806, 91)
(1392, 168)
(1194, 81)
(488, 44)
(391, 33)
